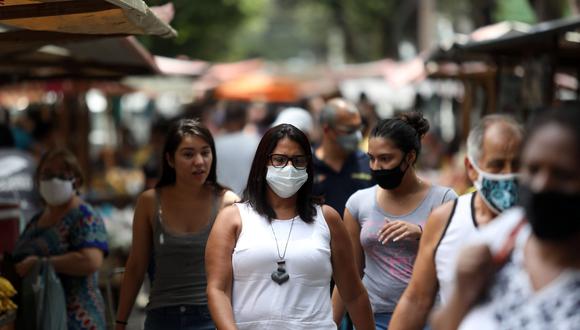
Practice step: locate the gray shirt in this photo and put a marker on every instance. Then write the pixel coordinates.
(179, 264)
(235, 153)
(388, 267)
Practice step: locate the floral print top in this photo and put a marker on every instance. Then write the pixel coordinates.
(80, 228)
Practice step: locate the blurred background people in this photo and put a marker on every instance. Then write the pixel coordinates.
(172, 223)
(270, 259)
(340, 168)
(385, 221)
(17, 168)
(71, 235)
(527, 264)
(492, 162)
(298, 117)
(235, 148)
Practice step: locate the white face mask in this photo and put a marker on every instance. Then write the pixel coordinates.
(56, 191)
(286, 181)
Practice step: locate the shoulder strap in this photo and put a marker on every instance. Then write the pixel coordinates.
(155, 225)
(215, 207)
(501, 257)
(445, 195)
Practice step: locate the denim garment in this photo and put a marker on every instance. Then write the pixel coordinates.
(190, 317)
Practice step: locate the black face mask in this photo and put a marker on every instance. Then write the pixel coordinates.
(553, 215)
(390, 178)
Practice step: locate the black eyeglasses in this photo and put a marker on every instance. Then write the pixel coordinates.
(280, 161)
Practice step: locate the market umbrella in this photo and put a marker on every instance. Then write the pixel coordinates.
(260, 88)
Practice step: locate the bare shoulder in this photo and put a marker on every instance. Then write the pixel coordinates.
(229, 198)
(333, 219)
(147, 200)
(440, 215)
(229, 217)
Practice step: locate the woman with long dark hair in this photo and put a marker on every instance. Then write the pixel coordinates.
(172, 223)
(270, 259)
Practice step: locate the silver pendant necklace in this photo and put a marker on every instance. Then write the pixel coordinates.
(280, 275)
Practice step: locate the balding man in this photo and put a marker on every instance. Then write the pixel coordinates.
(492, 164)
(340, 167)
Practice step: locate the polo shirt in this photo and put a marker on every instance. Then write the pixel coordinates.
(337, 187)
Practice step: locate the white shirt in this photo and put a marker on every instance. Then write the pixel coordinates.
(512, 303)
(303, 302)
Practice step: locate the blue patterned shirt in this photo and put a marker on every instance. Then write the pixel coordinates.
(80, 228)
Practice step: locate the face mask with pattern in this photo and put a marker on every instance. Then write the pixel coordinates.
(499, 191)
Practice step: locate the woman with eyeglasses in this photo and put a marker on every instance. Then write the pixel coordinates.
(270, 258)
(385, 222)
(71, 235)
(170, 229)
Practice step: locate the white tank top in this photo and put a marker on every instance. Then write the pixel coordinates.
(303, 302)
(460, 226)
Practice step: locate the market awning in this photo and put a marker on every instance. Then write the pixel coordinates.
(559, 38)
(260, 87)
(115, 58)
(93, 17)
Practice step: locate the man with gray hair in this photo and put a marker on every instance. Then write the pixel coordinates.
(340, 168)
(492, 163)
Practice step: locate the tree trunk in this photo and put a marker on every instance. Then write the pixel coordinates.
(426, 24)
(337, 7)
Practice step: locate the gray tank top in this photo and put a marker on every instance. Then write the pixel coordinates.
(179, 274)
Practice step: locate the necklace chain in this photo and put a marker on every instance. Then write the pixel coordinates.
(287, 240)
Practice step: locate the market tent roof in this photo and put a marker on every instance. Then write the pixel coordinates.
(260, 87)
(180, 67)
(94, 17)
(116, 57)
(558, 37)
(541, 37)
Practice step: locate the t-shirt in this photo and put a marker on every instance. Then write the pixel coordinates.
(388, 267)
(337, 187)
(511, 302)
(234, 156)
(17, 181)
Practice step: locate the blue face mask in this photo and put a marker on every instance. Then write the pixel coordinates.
(499, 191)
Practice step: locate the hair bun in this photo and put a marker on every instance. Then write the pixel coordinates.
(417, 121)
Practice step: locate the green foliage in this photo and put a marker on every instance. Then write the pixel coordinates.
(206, 28)
(515, 10)
(224, 30)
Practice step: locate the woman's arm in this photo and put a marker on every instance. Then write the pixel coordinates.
(138, 256)
(353, 228)
(416, 302)
(473, 273)
(218, 266)
(347, 277)
(78, 263)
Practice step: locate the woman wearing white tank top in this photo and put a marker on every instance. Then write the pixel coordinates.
(269, 260)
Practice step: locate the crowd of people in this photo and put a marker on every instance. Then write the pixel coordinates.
(269, 231)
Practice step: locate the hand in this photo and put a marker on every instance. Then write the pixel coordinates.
(474, 270)
(23, 267)
(397, 230)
